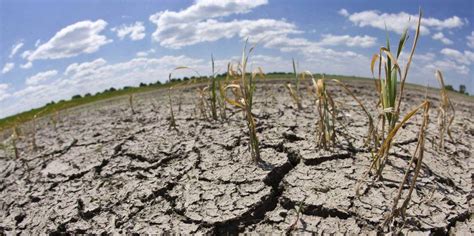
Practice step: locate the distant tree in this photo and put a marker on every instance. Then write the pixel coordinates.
(142, 85)
(449, 87)
(158, 82)
(185, 78)
(61, 101)
(50, 103)
(127, 88)
(77, 96)
(112, 89)
(87, 95)
(462, 89)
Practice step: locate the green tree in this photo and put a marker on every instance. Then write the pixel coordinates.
(462, 88)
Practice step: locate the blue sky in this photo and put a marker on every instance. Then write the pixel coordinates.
(53, 49)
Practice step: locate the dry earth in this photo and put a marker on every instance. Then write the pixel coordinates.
(104, 170)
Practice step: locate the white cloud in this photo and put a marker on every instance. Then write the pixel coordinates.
(178, 36)
(464, 58)
(470, 40)
(27, 65)
(145, 53)
(134, 31)
(195, 24)
(3, 92)
(447, 65)
(203, 9)
(397, 22)
(15, 49)
(8, 67)
(41, 77)
(37, 43)
(440, 36)
(83, 69)
(78, 38)
(343, 12)
(356, 41)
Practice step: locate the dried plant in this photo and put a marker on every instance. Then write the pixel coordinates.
(243, 89)
(171, 118)
(387, 89)
(293, 226)
(446, 113)
(416, 157)
(325, 131)
(213, 93)
(295, 93)
(34, 130)
(130, 103)
(14, 138)
(390, 104)
(202, 103)
(222, 95)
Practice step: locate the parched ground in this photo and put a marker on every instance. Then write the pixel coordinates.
(104, 170)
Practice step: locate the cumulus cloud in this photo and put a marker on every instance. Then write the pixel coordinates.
(343, 12)
(202, 22)
(203, 9)
(15, 49)
(134, 31)
(8, 67)
(79, 38)
(397, 22)
(41, 77)
(83, 69)
(470, 40)
(440, 36)
(178, 36)
(464, 58)
(196, 24)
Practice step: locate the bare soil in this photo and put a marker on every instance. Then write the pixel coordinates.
(103, 169)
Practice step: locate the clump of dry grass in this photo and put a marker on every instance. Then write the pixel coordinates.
(243, 89)
(446, 113)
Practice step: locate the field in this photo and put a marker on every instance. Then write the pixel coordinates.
(101, 168)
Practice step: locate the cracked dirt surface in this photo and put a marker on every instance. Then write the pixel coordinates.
(104, 170)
